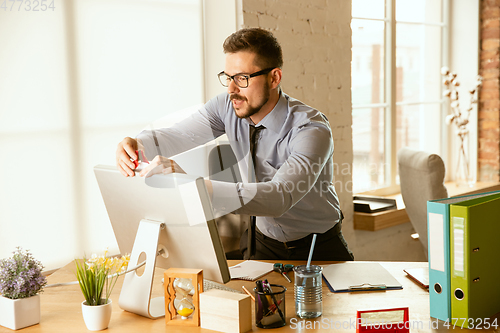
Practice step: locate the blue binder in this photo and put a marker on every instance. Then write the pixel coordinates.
(438, 230)
(438, 235)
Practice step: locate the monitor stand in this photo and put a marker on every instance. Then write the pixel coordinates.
(136, 290)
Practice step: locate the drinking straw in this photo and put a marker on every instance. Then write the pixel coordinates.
(311, 251)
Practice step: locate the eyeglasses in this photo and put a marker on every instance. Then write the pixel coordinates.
(241, 80)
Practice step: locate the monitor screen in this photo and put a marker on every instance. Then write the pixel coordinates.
(190, 237)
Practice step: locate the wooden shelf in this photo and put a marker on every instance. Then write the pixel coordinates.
(382, 220)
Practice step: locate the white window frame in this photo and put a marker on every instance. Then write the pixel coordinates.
(390, 105)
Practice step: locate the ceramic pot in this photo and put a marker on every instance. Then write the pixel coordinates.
(97, 317)
(19, 313)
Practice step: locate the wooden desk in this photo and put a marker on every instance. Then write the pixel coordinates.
(61, 306)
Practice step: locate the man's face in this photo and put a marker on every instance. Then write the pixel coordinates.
(246, 101)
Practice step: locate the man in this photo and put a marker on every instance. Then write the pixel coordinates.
(288, 188)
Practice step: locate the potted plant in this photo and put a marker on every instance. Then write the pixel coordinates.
(21, 281)
(97, 277)
(463, 173)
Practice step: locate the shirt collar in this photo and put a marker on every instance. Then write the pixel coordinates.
(275, 119)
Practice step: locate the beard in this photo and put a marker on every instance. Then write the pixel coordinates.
(250, 110)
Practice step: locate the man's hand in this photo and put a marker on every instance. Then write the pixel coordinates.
(124, 152)
(161, 165)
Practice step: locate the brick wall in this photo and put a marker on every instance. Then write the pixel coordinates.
(316, 41)
(314, 36)
(489, 102)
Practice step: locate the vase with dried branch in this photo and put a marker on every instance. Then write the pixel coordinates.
(463, 174)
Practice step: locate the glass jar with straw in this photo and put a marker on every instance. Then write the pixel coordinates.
(308, 288)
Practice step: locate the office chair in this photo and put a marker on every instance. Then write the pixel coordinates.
(421, 177)
(223, 166)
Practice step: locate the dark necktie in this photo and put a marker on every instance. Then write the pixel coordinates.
(253, 134)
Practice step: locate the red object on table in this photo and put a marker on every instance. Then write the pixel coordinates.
(370, 323)
(140, 158)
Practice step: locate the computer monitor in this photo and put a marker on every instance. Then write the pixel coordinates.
(170, 212)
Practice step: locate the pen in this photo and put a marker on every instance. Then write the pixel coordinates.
(259, 286)
(272, 308)
(248, 293)
(267, 286)
(261, 300)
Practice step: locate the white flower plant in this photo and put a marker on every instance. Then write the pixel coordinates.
(98, 275)
(21, 275)
(460, 118)
(456, 116)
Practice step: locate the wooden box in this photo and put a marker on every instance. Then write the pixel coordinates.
(225, 311)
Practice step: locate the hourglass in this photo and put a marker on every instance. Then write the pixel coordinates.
(180, 284)
(183, 303)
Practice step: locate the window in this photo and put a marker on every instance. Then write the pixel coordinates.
(396, 93)
(73, 83)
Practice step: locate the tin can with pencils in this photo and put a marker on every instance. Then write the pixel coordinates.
(270, 307)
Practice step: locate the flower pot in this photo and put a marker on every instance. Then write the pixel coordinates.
(19, 313)
(97, 317)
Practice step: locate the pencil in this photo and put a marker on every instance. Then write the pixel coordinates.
(248, 293)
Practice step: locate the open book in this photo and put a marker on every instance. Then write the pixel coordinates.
(250, 270)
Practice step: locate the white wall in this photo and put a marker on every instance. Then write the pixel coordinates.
(220, 21)
(464, 60)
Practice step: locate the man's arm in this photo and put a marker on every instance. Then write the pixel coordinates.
(302, 172)
(196, 130)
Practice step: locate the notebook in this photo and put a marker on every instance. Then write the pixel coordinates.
(358, 276)
(250, 270)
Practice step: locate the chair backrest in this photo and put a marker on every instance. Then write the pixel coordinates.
(223, 166)
(421, 177)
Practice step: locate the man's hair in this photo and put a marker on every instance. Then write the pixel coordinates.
(259, 41)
